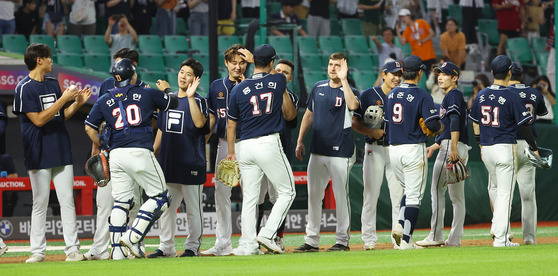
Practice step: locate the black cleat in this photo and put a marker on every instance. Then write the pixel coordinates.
(338, 247)
(306, 248)
(159, 254)
(188, 253)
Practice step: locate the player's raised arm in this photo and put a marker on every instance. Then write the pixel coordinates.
(289, 108)
(81, 98)
(350, 98)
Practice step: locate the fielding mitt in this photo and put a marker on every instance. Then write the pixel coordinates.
(543, 161)
(98, 168)
(456, 172)
(427, 131)
(373, 116)
(228, 172)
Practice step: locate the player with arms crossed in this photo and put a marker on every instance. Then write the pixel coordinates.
(128, 110)
(406, 105)
(180, 143)
(260, 103)
(217, 100)
(497, 115)
(331, 105)
(534, 102)
(453, 146)
(40, 104)
(376, 153)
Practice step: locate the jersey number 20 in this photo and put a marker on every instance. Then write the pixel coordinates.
(133, 116)
(267, 97)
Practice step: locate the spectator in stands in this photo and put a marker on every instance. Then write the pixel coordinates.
(27, 18)
(419, 35)
(318, 18)
(250, 8)
(510, 18)
(548, 12)
(387, 49)
(432, 82)
(125, 38)
(117, 7)
(372, 19)
(54, 21)
(438, 10)
(142, 13)
(452, 43)
(347, 8)
(166, 17)
(471, 10)
(82, 17)
(481, 82)
(302, 8)
(287, 13)
(542, 83)
(226, 17)
(534, 17)
(7, 19)
(199, 19)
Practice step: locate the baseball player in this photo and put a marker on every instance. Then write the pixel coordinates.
(330, 108)
(405, 106)
(128, 111)
(104, 199)
(285, 67)
(497, 115)
(260, 103)
(180, 143)
(534, 102)
(40, 104)
(218, 99)
(453, 145)
(3, 247)
(376, 154)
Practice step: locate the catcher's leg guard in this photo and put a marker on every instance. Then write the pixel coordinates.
(117, 226)
(149, 212)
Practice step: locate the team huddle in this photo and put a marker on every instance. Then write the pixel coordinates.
(253, 118)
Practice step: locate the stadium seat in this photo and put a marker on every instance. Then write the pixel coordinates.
(351, 26)
(172, 79)
(406, 49)
(454, 11)
(176, 44)
(518, 50)
(307, 45)
(487, 31)
(542, 61)
(96, 62)
(152, 76)
(70, 60)
(95, 44)
(150, 44)
(356, 44)
(152, 63)
(331, 44)
(273, 7)
(282, 44)
(226, 41)
(173, 61)
(44, 39)
(538, 44)
(364, 79)
(312, 62)
(373, 46)
(181, 27)
(200, 43)
(362, 62)
(69, 44)
(487, 12)
(203, 88)
(14, 43)
(334, 25)
(204, 60)
(311, 77)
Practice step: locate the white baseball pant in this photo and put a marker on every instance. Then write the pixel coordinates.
(266, 188)
(410, 166)
(526, 184)
(63, 179)
(376, 160)
(253, 165)
(456, 192)
(500, 161)
(320, 168)
(193, 198)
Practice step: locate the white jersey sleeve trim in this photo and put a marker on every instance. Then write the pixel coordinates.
(91, 125)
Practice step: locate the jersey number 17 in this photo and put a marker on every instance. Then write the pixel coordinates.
(267, 97)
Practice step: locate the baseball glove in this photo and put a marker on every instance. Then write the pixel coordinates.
(543, 161)
(98, 168)
(427, 131)
(228, 172)
(456, 172)
(373, 116)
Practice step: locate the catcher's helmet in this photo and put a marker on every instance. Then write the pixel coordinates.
(123, 71)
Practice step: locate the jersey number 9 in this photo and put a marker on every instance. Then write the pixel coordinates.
(397, 113)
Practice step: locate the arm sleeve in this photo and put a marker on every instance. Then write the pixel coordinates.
(454, 122)
(528, 135)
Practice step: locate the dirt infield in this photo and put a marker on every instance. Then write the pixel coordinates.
(354, 247)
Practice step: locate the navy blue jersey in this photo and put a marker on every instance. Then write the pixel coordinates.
(47, 146)
(139, 103)
(370, 97)
(7, 163)
(257, 104)
(405, 105)
(453, 103)
(182, 152)
(498, 112)
(218, 100)
(285, 134)
(332, 121)
(533, 101)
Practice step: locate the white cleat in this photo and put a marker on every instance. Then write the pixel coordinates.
(3, 248)
(217, 251)
(93, 256)
(269, 245)
(428, 243)
(75, 257)
(35, 258)
(242, 251)
(370, 246)
(397, 234)
(135, 248)
(407, 246)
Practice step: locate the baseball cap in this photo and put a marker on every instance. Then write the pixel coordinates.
(123, 71)
(264, 53)
(392, 67)
(404, 12)
(517, 69)
(413, 63)
(501, 64)
(448, 68)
